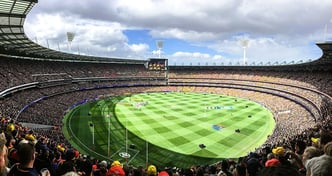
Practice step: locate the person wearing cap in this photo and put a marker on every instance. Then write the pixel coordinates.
(30, 136)
(279, 151)
(274, 162)
(151, 170)
(116, 169)
(277, 164)
(282, 155)
(43, 160)
(163, 173)
(253, 164)
(101, 169)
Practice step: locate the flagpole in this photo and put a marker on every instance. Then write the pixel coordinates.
(325, 31)
(147, 153)
(126, 140)
(109, 134)
(93, 134)
(48, 45)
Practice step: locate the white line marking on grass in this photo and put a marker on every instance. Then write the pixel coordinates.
(82, 144)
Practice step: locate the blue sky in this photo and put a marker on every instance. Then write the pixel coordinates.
(192, 31)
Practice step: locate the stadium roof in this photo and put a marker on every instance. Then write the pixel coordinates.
(14, 42)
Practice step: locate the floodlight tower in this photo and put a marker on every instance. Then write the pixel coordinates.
(244, 44)
(70, 38)
(325, 31)
(160, 45)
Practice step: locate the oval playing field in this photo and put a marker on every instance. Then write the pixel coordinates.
(181, 122)
(169, 127)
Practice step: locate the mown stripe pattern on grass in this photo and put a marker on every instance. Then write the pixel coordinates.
(181, 121)
(173, 125)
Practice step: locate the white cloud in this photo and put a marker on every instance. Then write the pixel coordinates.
(194, 58)
(183, 35)
(91, 37)
(217, 57)
(139, 48)
(280, 29)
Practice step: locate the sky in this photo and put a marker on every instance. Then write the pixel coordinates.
(189, 32)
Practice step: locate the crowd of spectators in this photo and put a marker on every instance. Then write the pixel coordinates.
(296, 129)
(32, 152)
(14, 72)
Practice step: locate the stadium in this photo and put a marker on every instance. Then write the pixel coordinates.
(103, 107)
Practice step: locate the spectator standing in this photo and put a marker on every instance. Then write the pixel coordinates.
(322, 165)
(3, 155)
(116, 169)
(26, 153)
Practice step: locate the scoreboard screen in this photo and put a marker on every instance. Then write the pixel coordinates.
(157, 64)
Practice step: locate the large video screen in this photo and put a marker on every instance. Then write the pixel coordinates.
(157, 64)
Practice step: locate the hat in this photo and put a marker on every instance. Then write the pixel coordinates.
(116, 163)
(70, 154)
(10, 127)
(314, 140)
(23, 141)
(103, 163)
(163, 173)
(44, 147)
(116, 170)
(278, 151)
(272, 162)
(30, 137)
(60, 148)
(152, 170)
(77, 154)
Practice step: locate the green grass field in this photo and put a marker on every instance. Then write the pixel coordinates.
(166, 128)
